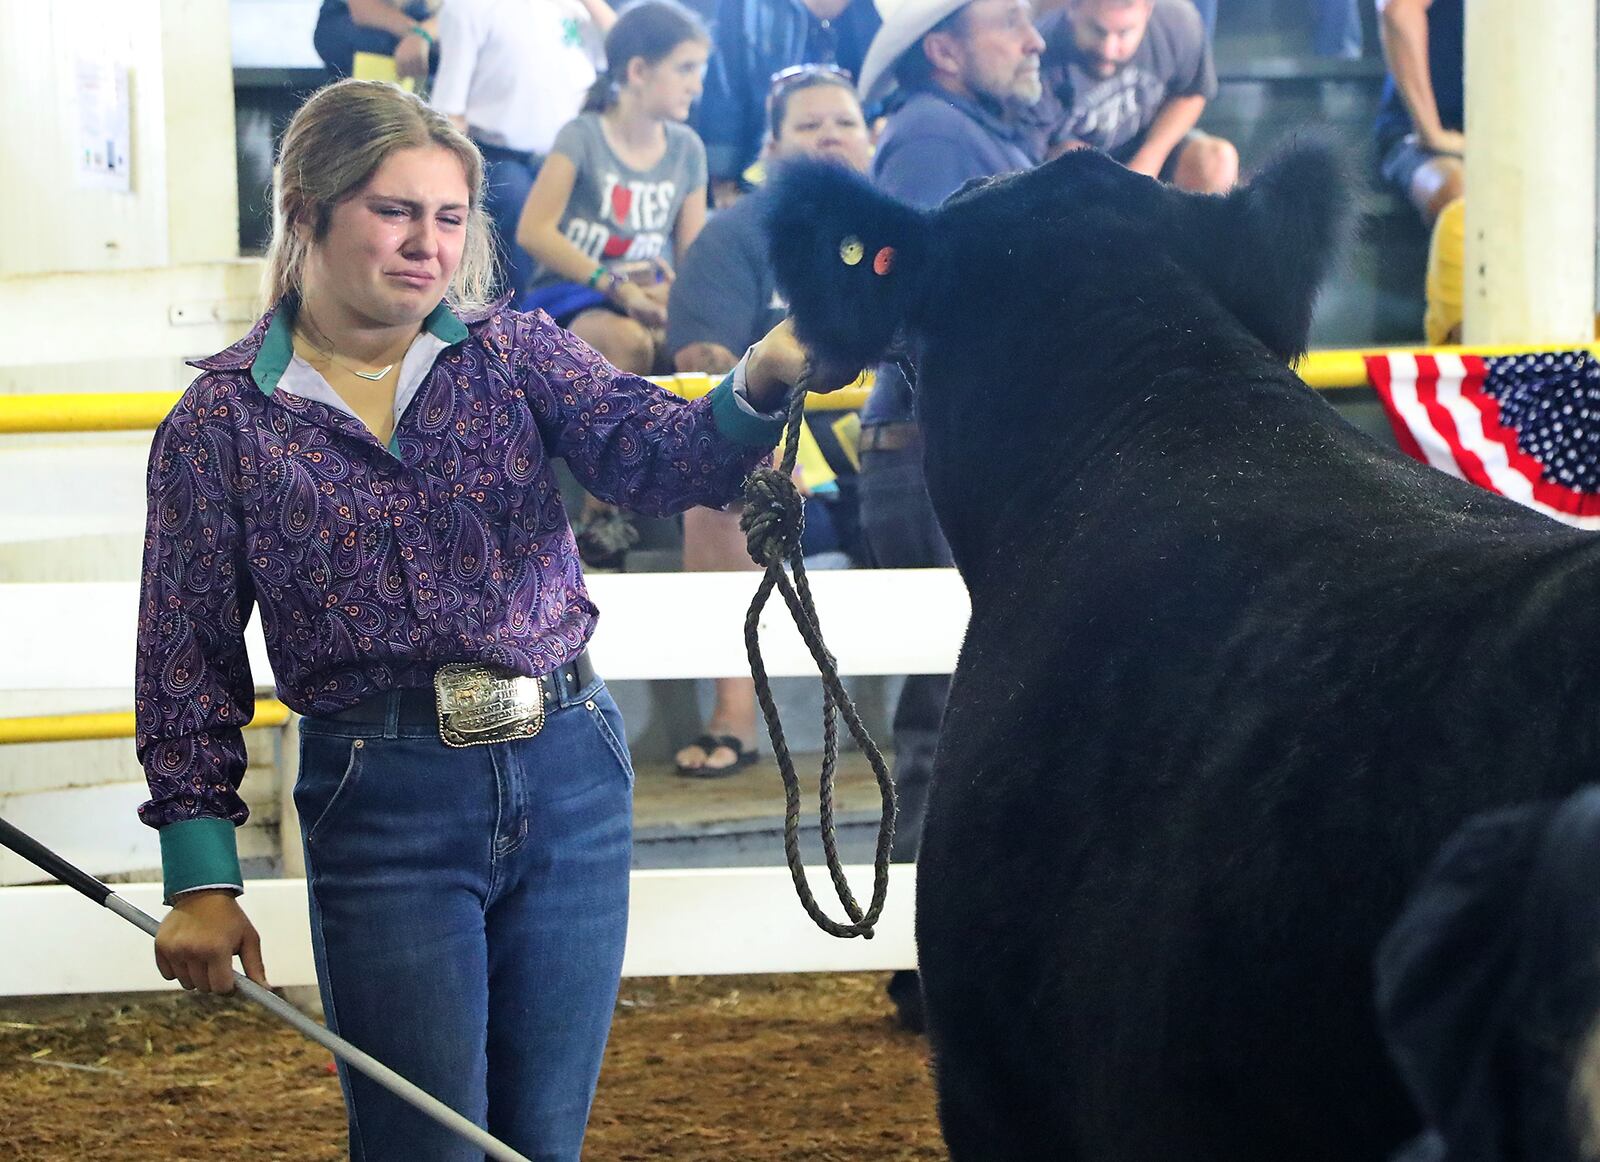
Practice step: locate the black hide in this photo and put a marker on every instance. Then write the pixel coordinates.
(1234, 670)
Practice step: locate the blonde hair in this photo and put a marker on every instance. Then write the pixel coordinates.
(335, 143)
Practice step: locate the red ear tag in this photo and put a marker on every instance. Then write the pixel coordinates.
(883, 261)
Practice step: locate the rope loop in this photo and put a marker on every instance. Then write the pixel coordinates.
(774, 516)
(772, 522)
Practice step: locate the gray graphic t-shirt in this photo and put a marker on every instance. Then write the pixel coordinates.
(619, 214)
(1173, 60)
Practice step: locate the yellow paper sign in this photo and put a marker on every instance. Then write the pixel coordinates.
(372, 66)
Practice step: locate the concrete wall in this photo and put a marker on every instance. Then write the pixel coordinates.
(111, 287)
(106, 285)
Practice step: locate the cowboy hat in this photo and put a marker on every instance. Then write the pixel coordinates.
(905, 22)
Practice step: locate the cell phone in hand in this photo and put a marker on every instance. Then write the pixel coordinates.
(644, 273)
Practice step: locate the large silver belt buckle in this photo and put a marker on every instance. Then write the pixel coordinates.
(479, 704)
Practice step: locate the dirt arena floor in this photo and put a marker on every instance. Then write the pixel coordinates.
(732, 1069)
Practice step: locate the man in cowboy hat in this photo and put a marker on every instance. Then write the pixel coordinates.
(965, 70)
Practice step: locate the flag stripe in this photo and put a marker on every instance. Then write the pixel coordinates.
(1439, 388)
(1382, 373)
(1497, 443)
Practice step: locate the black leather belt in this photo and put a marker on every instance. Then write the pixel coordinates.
(899, 436)
(419, 706)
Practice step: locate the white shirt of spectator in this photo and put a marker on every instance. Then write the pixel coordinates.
(516, 70)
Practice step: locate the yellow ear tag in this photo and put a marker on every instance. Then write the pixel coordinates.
(851, 251)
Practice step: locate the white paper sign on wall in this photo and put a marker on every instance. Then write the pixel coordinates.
(105, 121)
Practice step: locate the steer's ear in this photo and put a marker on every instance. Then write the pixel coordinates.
(849, 259)
(1266, 247)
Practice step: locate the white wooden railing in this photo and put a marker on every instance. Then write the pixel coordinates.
(76, 637)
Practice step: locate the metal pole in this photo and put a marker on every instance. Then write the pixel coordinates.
(1530, 245)
(48, 861)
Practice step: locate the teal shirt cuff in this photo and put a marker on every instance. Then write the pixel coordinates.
(199, 853)
(737, 420)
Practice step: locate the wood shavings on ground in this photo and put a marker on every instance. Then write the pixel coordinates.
(721, 1069)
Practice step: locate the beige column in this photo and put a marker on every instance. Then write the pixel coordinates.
(1530, 109)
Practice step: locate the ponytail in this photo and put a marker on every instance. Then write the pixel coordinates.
(601, 95)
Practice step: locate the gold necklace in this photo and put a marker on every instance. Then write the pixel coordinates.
(327, 352)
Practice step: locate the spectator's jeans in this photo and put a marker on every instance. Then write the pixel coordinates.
(468, 911)
(901, 532)
(508, 176)
(1336, 29)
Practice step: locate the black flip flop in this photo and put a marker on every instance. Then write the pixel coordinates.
(743, 757)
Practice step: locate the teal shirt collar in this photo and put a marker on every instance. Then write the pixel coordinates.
(277, 344)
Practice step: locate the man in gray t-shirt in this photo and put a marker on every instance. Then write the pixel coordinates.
(724, 299)
(1131, 77)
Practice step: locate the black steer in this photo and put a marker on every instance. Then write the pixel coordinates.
(1234, 670)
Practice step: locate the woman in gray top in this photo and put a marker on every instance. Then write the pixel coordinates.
(623, 190)
(725, 295)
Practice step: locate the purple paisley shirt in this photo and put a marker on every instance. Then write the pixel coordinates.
(372, 566)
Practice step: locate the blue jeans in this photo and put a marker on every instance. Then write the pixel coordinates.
(902, 533)
(507, 177)
(468, 913)
(1336, 29)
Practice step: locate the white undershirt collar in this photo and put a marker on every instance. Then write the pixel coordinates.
(302, 380)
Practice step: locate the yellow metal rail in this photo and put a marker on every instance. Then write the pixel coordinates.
(132, 411)
(119, 724)
(1333, 370)
(1330, 370)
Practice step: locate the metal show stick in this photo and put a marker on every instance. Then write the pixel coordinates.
(48, 861)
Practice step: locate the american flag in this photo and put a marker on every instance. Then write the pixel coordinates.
(1525, 426)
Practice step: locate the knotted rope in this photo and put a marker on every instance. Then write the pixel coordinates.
(773, 520)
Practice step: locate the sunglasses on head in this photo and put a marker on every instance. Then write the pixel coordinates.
(785, 77)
